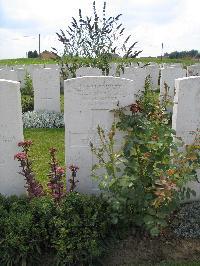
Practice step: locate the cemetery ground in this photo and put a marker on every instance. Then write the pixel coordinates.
(82, 227)
(132, 247)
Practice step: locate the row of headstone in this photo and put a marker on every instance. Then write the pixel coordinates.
(47, 94)
(152, 69)
(89, 101)
(46, 81)
(97, 98)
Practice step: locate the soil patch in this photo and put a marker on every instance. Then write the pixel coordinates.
(154, 251)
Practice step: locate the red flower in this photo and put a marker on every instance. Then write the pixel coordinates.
(60, 170)
(135, 107)
(25, 143)
(20, 156)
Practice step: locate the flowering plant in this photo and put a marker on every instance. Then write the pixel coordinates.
(34, 188)
(56, 176)
(147, 178)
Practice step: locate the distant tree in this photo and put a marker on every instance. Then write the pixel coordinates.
(32, 54)
(183, 54)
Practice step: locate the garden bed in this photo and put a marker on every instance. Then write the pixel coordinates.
(165, 250)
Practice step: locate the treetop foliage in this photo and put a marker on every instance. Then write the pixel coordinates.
(33, 54)
(96, 35)
(183, 54)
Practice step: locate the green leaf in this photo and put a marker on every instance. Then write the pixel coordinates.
(163, 223)
(148, 219)
(152, 211)
(118, 169)
(114, 220)
(154, 231)
(161, 215)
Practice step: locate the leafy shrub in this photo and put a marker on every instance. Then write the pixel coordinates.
(144, 181)
(43, 119)
(27, 103)
(28, 86)
(27, 94)
(20, 237)
(82, 224)
(72, 232)
(186, 222)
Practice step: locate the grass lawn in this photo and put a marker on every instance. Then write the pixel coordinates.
(43, 139)
(26, 61)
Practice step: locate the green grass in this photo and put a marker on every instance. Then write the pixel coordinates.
(43, 139)
(184, 61)
(26, 61)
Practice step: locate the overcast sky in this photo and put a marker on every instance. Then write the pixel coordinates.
(175, 23)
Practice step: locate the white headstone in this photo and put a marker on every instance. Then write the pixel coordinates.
(167, 80)
(88, 103)
(46, 84)
(153, 72)
(11, 132)
(138, 75)
(166, 65)
(15, 67)
(88, 71)
(186, 113)
(52, 66)
(193, 70)
(31, 68)
(8, 74)
(21, 74)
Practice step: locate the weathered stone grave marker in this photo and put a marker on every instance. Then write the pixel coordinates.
(11, 132)
(8, 74)
(167, 80)
(88, 103)
(193, 70)
(186, 113)
(46, 84)
(138, 75)
(153, 72)
(88, 71)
